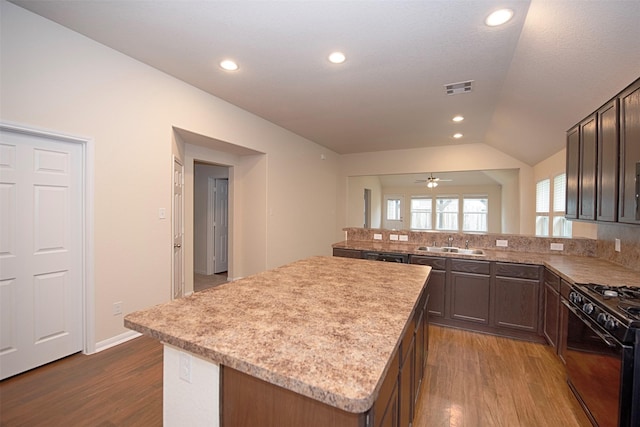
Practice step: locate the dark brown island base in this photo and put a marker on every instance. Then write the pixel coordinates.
(325, 341)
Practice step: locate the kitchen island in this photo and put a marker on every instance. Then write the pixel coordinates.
(325, 333)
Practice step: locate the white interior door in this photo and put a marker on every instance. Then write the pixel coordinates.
(221, 226)
(178, 230)
(393, 213)
(41, 250)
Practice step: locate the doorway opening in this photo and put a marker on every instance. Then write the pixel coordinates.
(210, 225)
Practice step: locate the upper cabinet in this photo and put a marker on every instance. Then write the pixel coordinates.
(587, 183)
(607, 184)
(603, 162)
(573, 172)
(628, 209)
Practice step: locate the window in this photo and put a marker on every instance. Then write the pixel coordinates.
(474, 213)
(447, 213)
(543, 194)
(421, 213)
(561, 227)
(548, 220)
(393, 210)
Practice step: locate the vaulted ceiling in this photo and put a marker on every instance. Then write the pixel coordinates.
(534, 77)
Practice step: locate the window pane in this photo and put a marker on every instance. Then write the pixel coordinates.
(561, 227)
(421, 213)
(559, 189)
(542, 196)
(446, 213)
(393, 209)
(542, 225)
(475, 210)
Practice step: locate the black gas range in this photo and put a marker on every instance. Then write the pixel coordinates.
(603, 352)
(614, 308)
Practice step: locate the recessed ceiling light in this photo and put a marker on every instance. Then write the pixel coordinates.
(457, 135)
(228, 65)
(337, 58)
(499, 17)
(458, 119)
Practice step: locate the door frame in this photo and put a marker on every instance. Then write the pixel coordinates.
(176, 160)
(87, 228)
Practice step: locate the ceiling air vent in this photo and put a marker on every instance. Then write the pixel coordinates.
(456, 88)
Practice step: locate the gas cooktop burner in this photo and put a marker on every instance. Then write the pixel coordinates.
(621, 292)
(631, 309)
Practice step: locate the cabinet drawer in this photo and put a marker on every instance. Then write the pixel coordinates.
(521, 271)
(565, 288)
(347, 253)
(433, 262)
(552, 279)
(477, 267)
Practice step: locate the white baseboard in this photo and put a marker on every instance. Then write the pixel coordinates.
(118, 339)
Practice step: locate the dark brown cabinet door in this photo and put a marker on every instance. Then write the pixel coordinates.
(573, 172)
(405, 389)
(551, 315)
(629, 104)
(588, 154)
(607, 184)
(436, 289)
(470, 297)
(516, 303)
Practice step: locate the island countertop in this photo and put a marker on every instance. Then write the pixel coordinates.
(323, 327)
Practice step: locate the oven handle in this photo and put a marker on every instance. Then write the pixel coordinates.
(608, 340)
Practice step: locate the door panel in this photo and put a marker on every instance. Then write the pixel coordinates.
(178, 231)
(221, 227)
(40, 250)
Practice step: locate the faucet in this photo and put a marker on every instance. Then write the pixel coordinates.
(450, 241)
(466, 244)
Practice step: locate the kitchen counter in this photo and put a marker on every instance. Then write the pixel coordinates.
(574, 269)
(324, 327)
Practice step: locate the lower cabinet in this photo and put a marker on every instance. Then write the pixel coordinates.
(486, 296)
(551, 326)
(347, 253)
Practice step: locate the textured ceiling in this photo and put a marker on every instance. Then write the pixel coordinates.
(534, 77)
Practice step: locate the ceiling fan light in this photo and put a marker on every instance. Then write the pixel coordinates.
(432, 184)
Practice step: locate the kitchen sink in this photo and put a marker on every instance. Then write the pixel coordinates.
(451, 250)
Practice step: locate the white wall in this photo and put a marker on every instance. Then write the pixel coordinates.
(548, 169)
(444, 159)
(355, 208)
(56, 79)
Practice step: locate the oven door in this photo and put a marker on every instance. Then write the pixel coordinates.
(599, 370)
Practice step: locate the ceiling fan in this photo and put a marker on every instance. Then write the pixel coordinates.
(432, 181)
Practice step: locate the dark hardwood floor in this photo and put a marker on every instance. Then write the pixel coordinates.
(120, 386)
(471, 380)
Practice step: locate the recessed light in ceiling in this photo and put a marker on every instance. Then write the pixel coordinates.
(458, 119)
(337, 58)
(457, 135)
(229, 65)
(499, 17)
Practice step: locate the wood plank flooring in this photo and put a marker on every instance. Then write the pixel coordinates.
(482, 380)
(471, 380)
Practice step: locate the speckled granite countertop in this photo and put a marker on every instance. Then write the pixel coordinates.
(324, 327)
(574, 269)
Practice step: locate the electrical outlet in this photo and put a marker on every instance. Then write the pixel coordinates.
(117, 308)
(404, 238)
(377, 236)
(617, 245)
(185, 367)
(557, 246)
(502, 243)
(393, 237)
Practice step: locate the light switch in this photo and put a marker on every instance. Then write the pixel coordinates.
(162, 213)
